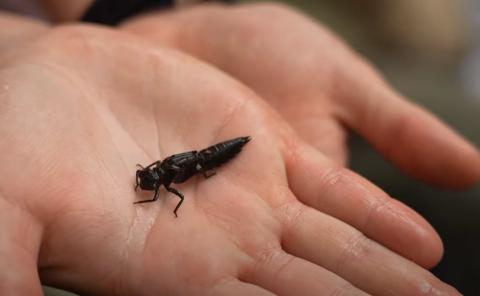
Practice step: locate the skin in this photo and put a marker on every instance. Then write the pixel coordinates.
(317, 84)
(81, 105)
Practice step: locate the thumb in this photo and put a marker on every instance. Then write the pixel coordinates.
(20, 236)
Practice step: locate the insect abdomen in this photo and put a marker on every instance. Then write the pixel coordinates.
(222, 152)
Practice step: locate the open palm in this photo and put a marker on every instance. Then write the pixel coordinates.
(81, 106)
(317, 84)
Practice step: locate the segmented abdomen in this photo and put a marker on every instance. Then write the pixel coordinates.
(220, 153)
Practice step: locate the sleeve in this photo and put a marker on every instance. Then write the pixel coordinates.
(112, 12)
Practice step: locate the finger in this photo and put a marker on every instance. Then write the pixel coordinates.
(345, 251)
(340, 193)
(285, 274)
(412, 138)
(234, 287)
(19, 244)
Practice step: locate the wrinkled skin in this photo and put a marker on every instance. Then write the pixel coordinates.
(80, 106)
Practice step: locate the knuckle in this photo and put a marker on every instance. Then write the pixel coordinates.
(331, 178)
(267, 255)
(352, 249)
(280, 263)
(290, 214)
(377, 207)
(266, 258)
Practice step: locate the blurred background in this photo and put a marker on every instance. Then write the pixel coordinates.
(430, 51)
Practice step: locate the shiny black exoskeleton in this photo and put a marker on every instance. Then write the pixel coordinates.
(179, 167)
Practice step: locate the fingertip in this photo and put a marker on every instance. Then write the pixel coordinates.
(421, 243)
(432, 252)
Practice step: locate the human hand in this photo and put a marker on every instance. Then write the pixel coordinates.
(317, 84)
(80, 106)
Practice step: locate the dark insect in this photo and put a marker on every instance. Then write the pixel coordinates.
(179, 167)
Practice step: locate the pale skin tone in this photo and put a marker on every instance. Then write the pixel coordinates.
(317, 83)
(82, 105)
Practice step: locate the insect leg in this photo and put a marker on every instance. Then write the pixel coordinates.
(209, 173)
(155, 197)
(206, 173)
(177, 193)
